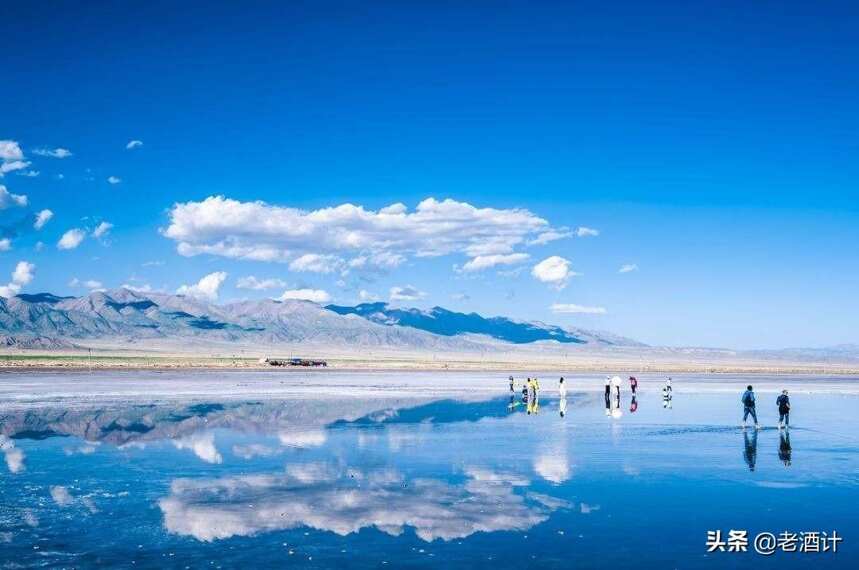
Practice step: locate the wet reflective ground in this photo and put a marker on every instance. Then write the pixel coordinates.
(423, 481)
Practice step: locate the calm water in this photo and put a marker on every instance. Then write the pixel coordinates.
(406, 482)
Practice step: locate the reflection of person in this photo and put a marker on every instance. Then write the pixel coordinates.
(666, 397)
(633, 405)
(562, 389)
(607, 390)
(783, 403)
(535, 388)
(633, 384)
(563, 406)
(750, 453)
(748, 400)
(512, 387)
(784, 450)
(525, 391)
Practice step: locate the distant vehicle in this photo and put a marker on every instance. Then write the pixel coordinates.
(293, 362)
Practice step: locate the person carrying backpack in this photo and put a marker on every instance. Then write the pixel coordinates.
(783, 403)
(748, 400)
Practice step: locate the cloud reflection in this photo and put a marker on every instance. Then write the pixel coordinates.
(323, 497)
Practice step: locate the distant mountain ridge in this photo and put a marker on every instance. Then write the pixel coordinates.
(441, 321)
(51, 321)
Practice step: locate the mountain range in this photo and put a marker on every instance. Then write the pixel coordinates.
(123, 316)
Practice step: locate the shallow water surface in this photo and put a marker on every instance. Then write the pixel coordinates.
(416, 479)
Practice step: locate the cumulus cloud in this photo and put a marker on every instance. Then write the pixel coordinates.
(145, 288)
(315, 263)
(71, 239)
(114, 179)
(571, 309)
(7, 199)
(206, 288)
(53, 152)
(21, 276)
(628, 268)
(102, 229)
(344, 502)
(367, 297)
(11, 157)
(355, 235)
(5, 244)
(407, 293)
(315, 295)
(583, 231)
(42, 218)
(29, 173)
(482, 262)
(254, 284)
(89, 284)
(132, 144)
(554, 270)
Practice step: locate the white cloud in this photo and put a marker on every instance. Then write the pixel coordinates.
(461, 297)
(264, 232)
(134, 144)
(315, 295)
(8, 199)
(11, 157)
(145, 288)
(53, 153)
(367, 297)
(571, 309)
(29, 173)
(89, 283)
(114, 179)
(628, 268)
(21, 276)
(315, 263)
(554, 270)
(5, 244)
(407, 293)
(71, 239)
(583, 231)
(482, 262)
(10, 150)
(251, 282)
(102, 229)
(550, 236)
(206, 288)
(42, 218)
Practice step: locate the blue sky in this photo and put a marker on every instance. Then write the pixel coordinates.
(711, 146)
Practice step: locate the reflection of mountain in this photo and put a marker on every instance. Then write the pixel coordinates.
(296, 422)
(442, 411)
(322, 497)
